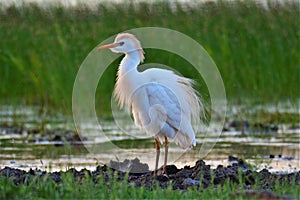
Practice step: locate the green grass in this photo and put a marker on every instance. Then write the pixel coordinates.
(68, 188)
(256, 50)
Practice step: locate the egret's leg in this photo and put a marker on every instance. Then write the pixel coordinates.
(166, 155)
(157, 154)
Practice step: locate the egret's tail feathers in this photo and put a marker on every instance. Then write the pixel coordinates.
(184, 141)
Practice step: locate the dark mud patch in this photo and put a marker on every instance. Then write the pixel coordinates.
(34, 135)
(200, 176)
(248, 127)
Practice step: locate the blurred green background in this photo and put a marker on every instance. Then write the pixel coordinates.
(256, 49)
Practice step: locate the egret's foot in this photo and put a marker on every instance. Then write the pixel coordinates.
(157, 172)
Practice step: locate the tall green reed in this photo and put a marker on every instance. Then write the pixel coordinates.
(256, 50)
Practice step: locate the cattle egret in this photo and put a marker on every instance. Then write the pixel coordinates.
(163, 104)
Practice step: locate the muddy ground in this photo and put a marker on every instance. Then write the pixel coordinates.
(200, 176)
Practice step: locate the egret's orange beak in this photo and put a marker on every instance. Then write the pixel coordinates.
(108, 46)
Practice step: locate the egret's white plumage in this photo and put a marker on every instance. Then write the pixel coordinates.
(163, 104)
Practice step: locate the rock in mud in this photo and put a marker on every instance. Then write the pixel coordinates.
(132, 166)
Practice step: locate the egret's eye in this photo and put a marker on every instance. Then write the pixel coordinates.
(121, 43)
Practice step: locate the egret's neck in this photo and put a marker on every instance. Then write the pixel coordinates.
(130, 62)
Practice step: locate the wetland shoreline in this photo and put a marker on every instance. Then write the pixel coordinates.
(198, 177)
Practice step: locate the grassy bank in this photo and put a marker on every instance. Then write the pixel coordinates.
(44, 189)
(85, 187)
(256, 50)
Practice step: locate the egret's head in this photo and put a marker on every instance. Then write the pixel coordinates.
(125, 43)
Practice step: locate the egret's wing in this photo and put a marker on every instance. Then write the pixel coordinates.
(166, 107)
(156, 110)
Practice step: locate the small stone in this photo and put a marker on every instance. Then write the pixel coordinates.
(171, 169)
(162, 178)
(185, 173)
(12, 162)
(189, 181)
(232, 159)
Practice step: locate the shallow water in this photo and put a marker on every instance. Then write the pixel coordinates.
(16, 150)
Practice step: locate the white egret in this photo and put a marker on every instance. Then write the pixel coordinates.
(163, 104)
